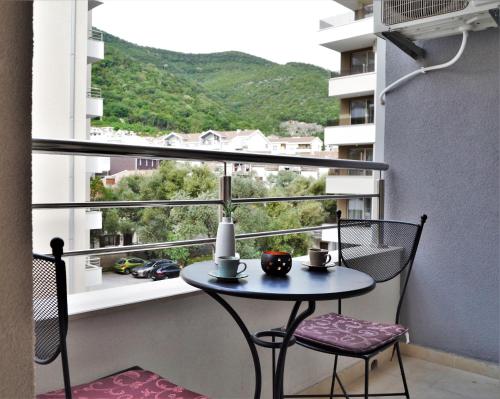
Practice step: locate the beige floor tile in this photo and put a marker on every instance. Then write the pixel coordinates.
(428, 380)
(424, 391)
(467, 384)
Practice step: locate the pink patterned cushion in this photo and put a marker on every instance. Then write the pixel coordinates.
(132, 384)
(348, 334)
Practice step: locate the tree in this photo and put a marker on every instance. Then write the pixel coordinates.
(181, 181)
(111, 221)
(97, 189)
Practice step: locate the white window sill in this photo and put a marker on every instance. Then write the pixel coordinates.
(99, 300)
(86, 303)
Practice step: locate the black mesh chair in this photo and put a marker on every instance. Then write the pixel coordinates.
(50, 313)
(50, 309)
(382, 249)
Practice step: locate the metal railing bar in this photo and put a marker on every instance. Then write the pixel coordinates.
(260, 234)
(95, 34)
(302, 198)
(124, 204)
(166, 203)
(187, 243)
(94, 92)
(76, 147)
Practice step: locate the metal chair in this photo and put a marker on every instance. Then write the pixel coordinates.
(50, 312)
(382, 249)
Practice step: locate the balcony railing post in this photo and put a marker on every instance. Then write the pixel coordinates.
(380, 210)
(381, 197)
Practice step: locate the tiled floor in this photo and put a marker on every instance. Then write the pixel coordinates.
(429, 381)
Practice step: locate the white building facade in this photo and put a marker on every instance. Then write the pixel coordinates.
(361, 121)
(65, 47)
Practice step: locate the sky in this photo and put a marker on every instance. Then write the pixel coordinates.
(278, 30)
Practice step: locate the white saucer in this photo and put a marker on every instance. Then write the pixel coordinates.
(318, 267)
(239, 276)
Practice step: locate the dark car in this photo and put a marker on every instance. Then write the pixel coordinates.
(149, 267)
(168, 269)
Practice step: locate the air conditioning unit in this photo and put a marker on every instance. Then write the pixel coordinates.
(429, 19)
(404, 21)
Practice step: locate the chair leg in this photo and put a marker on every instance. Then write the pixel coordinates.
(65, 367)
(334, 376)
(367, 376)
(274, 364)
(401, 368)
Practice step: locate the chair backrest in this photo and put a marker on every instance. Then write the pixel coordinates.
(50, 308)
(380, 248)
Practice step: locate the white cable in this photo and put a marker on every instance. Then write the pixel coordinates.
(465, 33)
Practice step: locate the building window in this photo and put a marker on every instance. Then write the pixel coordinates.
(362, 61)
(359, 208)
(304, 146)
(362, 111)
(360, 154)
(364, 12)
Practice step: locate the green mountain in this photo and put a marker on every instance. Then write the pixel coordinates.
(153, 90)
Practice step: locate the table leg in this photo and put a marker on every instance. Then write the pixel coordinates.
(293, 323)
(248, 337)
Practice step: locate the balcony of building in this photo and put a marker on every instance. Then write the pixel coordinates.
(349, 184)
(94, 103)
(357, 85)
(95, 46)
(350, 134)
(346, 33)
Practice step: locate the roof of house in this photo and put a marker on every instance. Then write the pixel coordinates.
(185, 136)
(230, 134)
(293, 139)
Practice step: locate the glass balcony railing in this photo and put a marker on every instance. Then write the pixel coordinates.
(95, 34)
(94, 92)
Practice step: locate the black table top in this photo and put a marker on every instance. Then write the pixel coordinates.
(298, 284)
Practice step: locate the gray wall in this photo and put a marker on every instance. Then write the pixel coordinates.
(442, 145)
(16, 342)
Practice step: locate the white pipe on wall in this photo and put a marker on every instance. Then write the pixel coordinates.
(465, 33)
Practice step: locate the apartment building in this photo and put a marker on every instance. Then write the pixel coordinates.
(64, 102)
(361, 120)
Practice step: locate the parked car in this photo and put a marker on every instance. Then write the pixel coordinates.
(144, 270)
(125, 265)
(166, 270)
(150, 267)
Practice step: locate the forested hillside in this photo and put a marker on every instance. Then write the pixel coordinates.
(152, 90)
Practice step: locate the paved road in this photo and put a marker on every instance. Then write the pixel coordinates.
(112, 280)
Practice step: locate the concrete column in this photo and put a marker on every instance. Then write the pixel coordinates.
(16, 337)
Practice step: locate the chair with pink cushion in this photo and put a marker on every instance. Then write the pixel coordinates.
(382, 249)
(50, 313)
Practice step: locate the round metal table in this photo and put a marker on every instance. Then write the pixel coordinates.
(297, 286)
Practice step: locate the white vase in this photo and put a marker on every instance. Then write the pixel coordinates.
(225, 243)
